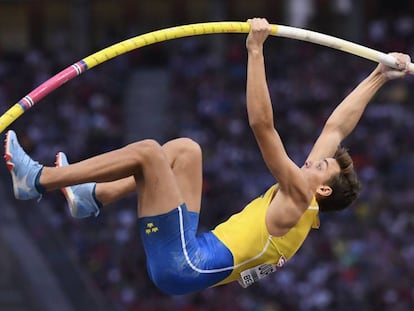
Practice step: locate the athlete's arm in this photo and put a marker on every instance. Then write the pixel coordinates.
(347, 114)
(260, 113)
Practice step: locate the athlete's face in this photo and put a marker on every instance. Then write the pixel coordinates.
(321, 171)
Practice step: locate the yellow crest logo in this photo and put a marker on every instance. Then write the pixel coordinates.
(150, 228)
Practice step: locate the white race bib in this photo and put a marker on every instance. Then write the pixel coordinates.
(252, 275)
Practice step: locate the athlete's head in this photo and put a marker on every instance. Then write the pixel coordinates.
(343, 186)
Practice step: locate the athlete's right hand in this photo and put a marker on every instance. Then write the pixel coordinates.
(403, 62)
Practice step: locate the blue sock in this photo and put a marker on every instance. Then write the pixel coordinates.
(96, 200)
(39, 187)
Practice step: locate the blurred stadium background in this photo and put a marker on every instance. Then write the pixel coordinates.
(360, 259)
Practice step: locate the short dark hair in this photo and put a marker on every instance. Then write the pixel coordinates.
(345, 185)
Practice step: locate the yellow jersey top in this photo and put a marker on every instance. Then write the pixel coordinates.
(246, 236)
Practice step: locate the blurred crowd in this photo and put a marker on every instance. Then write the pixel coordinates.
(359, 259)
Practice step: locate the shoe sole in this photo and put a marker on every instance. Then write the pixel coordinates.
(7, 155)
(67, 191)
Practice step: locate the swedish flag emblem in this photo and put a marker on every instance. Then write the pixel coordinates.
(150, 228)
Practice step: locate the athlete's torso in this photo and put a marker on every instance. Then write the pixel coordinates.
(246, 236)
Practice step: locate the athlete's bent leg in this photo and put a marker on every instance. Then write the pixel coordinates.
(184, 157)
(145, 160)
(155, 182)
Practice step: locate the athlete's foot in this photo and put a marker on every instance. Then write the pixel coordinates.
(23, 169)
(80, 198)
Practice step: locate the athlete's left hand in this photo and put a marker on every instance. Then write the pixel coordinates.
(259, 31)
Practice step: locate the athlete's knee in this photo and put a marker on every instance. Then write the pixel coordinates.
(145, 151)
(184, 147)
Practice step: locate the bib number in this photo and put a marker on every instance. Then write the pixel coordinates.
(252, 275)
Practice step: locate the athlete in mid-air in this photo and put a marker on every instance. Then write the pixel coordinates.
(168, 179)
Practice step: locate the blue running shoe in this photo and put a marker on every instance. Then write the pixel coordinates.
(80, 198)
(23, 169)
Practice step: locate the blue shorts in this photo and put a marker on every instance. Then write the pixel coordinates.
(178, 260)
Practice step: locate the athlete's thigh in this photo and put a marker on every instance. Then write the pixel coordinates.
(185, 158)
(158, 192)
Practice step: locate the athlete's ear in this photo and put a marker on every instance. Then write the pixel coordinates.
(324, 190)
